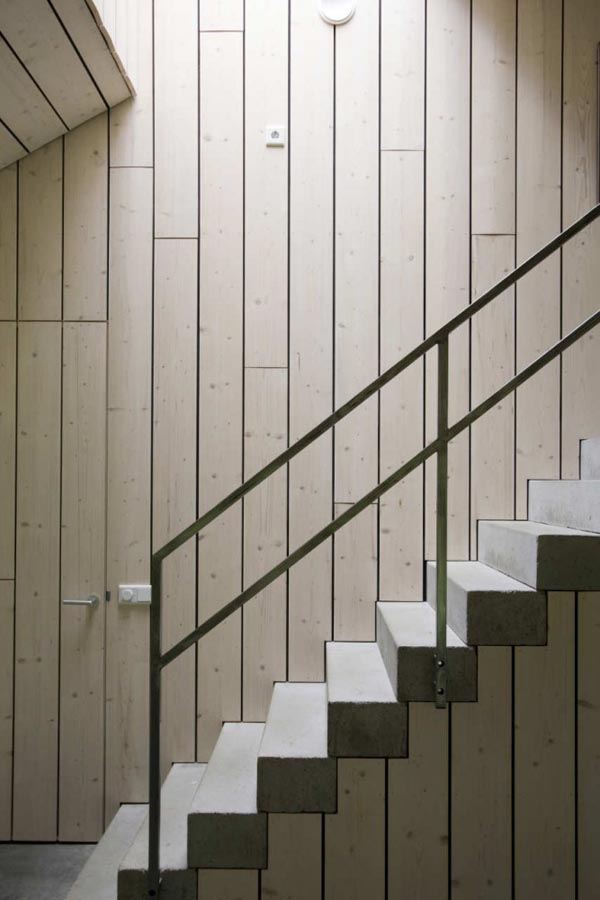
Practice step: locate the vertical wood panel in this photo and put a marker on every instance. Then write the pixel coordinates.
(174, 489)
(221, 15)
(176, 118)
(265, 513)
(538, 219)
(356, 248)
(401, 327)
(37, 582)
(8, 243)
(294, 871)
(7, 612)
(40, 233)
(355, 591)
(266, 188)
(448, 245)
(10, 149)
(493, 251)
(83, 559)
(227, 884)
(481, 823)
(545, 759)
(311, 332)
(402, 75)
(131, 122)
(355, 835)
(221, 375)
(8, 381)
(85, 213)
(128, 486)
(493, 112)
(581, 260)
(588, 738)
(8, 377)
(492, 343)
(418, 809)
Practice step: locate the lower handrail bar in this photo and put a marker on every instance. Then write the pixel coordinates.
(525, 374)
(298, 554)
(378, 383)
(374, 494)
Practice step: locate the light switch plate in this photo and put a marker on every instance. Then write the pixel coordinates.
(135, 594)
(275, 135)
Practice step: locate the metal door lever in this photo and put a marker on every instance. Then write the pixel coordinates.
(92, 600)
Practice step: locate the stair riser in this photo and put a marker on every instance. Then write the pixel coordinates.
(571, 504)
(181, 885)
(297, 785)
(493, 619)
(367, 730)
(416, 674)
(549, 562)
(218, 841)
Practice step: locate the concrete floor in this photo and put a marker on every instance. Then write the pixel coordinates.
(40, 871)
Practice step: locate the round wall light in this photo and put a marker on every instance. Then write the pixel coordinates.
(336, 12)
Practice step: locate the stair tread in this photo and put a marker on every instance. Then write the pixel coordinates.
(229, 783)
(364, 718)
(571, 504)
(406, 635)
(295, 772)
(474, 576)
(98, 878)
(296, 726)
(547, 557)
(488, 608)
(534, 529)
(356, 674)
(413, 624)
(177, 791)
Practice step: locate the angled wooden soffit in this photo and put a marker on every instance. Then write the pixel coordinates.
(58, 68)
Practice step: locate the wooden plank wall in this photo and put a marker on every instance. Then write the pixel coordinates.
(180, 301)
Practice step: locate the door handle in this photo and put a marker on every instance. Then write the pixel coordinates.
(92, 600)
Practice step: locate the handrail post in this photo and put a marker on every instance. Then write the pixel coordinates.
(154, 755)
(440, 658)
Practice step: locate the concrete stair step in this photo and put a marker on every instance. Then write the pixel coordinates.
(98, 878)
(225, 829)
(363, 716)
(406, 638)
(571, 504)
(177, 880)
(295, 773)
(590, 458)
(546, 557)
(486, 607)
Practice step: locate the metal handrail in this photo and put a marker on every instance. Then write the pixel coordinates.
(445, 434)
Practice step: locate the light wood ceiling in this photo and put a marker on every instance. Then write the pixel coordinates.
(58, 68)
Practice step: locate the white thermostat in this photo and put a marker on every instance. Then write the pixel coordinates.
(135, 594)
(275, 135)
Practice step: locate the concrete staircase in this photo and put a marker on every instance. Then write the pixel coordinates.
(215, 815)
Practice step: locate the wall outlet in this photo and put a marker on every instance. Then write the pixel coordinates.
(275, 135)
(135, 594)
